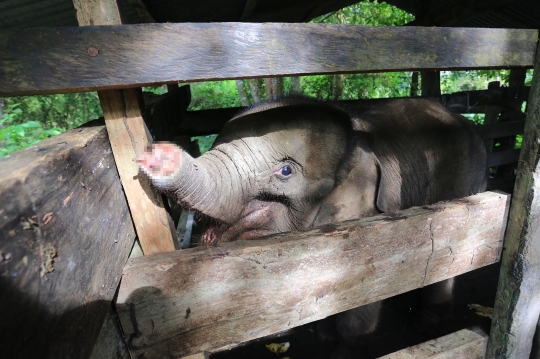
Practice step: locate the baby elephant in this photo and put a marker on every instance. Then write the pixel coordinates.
(298, 163)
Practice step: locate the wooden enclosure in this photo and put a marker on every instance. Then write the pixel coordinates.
(62, 268)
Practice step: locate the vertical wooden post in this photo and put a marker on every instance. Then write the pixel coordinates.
(414, 84)
(430, 84)
(129, 136)
(491, 116)
(517, 306)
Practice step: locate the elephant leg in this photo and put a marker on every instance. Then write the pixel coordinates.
(436, 304)
(354, 328)
(357, 323)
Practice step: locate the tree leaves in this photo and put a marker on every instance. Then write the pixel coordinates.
(16, 136)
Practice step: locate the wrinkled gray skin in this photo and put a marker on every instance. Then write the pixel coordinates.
(342, 166)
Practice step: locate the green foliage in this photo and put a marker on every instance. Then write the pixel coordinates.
(156, 90)
(476, 118)
(454, 81)
(28, 120)
(63, 111)
(15, 136)
(213, 94)
(357, 86)
(205, 142)
(367, 13)
(519, 141)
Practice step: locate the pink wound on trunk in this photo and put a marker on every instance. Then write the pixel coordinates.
(161, 159)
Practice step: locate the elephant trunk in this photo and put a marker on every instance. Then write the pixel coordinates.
(209, 184)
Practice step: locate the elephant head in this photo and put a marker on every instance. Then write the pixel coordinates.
(297, 163)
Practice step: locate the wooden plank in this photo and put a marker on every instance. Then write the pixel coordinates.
(65, 235)
(34, 61)
(129, 137)
(463, 344)
(208, 298)
(505, 157)
(430, 83)
(501, 129)
(110, 343)
(203, 355)
(491, 116)
(517, 306)
(97, 12)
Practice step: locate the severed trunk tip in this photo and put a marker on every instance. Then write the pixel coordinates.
(160, 161)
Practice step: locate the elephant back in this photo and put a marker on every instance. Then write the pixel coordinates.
(426, 154)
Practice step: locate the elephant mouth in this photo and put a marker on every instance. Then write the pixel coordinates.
(252, 224)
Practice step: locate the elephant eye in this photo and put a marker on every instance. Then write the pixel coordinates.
(286, 170)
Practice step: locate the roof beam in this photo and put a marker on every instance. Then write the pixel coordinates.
(463, 11)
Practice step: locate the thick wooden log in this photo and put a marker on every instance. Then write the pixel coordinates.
(463, 344)
(65, 235)
(35, 61)
(110, 343)
(517, 306)
(184, 302)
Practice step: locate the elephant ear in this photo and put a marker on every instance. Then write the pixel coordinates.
(354, 193)
(389, 191)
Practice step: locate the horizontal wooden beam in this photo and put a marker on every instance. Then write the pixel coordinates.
(463, 344)
(206, 122)
(501, 129)
(503, 157)
(184, 302)
(69, 59)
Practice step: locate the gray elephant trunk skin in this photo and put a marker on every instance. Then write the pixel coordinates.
(209, 184)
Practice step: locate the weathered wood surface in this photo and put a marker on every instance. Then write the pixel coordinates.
(501, 129)
(34, 61)
(184, 302)
(503, 157)
(65, 235)
(463, 344)
(203, 355)
(129, 137)
(517, 305)
(97, 12)
(110, 343)
(430, 83)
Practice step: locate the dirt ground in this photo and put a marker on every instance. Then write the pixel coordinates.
(402, 325)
